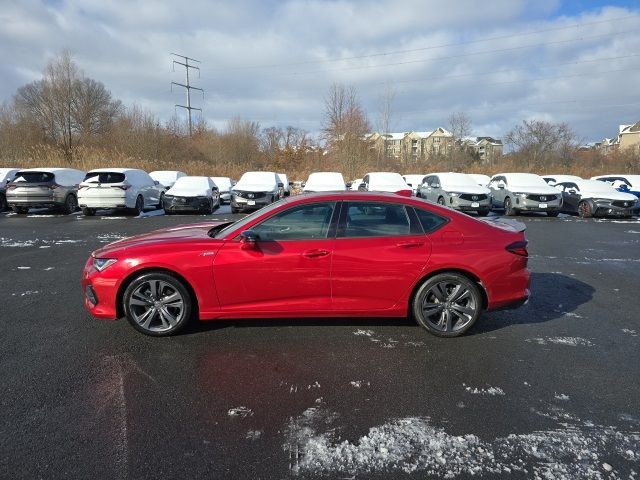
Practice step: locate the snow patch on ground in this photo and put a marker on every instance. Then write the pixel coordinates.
(26, 294)
(412, 444)
(359, 383)
(8, 242)
(23, 268)
(364, 333)
(389, 343)
(483, 391)
(110, 237)
(570, 341)
(241, 412)
(628, 331)
(253, 434)
(631, 231)
(561, 396)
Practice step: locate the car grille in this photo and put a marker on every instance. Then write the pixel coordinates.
(473, 197)
(250, 195)
(622, 204)
(542, 198)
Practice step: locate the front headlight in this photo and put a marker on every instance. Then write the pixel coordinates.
(102, 263)
(602, 200)
(521, 195)
(454, 194)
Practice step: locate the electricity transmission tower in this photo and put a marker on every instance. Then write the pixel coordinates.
(187, 86)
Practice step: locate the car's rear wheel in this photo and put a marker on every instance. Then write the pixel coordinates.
(88, 212)
(139, 208)
(447, 304)
(441, 200)
(584, 209)
(20, 210)
(509, 211)
(157, 304)
(70, 204)
(3, 203)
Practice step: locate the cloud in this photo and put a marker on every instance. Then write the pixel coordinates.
(273, 61)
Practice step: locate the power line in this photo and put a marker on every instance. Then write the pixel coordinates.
(431, 47)
(187, 86)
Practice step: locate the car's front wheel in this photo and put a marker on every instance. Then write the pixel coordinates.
(157, 304)
(88, 212)
(584, 209)
(447, 304)
(509, 211)
(3, 203)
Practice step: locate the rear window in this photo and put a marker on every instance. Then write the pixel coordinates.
(104, 177)
(35, 177)
(430, 221)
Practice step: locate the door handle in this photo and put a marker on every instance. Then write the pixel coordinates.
(409, 244)
(315, 253)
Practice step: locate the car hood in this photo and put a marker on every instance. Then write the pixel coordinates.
(189, 191)
(536, 189)
(254, 187)
(625, 197)
(181, 233)
(467, 189)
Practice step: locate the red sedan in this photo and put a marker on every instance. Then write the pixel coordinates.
(319, 255)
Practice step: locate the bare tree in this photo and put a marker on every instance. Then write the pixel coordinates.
(65, 105)
(460, 127)
(385, 118)
(540, 143)
(345, 126)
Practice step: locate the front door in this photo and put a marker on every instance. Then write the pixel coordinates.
(379, 253)
(289, 268)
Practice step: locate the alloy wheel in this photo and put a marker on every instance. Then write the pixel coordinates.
(156, 306)
(449, 306)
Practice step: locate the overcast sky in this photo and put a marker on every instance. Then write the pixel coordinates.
(273, 61)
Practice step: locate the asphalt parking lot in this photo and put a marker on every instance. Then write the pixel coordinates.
(547, 391)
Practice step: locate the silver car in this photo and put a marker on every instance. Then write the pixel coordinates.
(456, 190)
(45, 187)
(524, 192)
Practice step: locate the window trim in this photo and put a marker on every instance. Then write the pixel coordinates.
(343, 220)
(330, 231)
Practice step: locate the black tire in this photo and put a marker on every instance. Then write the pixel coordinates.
(584, 209)
(438, 299)
(139, 208)
(208, 210)
(88, 212)
(3, 203)
(70, 204)
(20, 210)
(509, 211)
(553, 213)
(160, 205)
(483, 213)
(234, 210)
(141, 298)
(441, 200)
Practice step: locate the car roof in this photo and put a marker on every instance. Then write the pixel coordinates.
(114, 170)
(50, 170)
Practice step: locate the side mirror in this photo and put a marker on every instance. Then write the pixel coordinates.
(280, 184)
(248, 240)
(156, 182)
(362, 187)
(348, 184)
(303, 184)
(291, 184)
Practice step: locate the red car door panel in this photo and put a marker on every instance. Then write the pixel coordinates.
(377, 272)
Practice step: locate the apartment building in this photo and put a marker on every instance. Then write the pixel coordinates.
(413, 145)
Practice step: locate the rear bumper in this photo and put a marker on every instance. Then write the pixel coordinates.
(105, 202)
(34, 200)
(513, 304)
(608, 210)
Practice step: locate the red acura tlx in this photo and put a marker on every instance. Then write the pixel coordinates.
(318, 255)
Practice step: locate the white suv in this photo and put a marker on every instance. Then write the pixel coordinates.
(119, 188)
(325, 182)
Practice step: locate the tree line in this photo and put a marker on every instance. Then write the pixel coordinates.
(68, 119)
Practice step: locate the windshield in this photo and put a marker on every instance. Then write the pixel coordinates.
(191, 182)
(246, 220)
(34, 177)
(595, 186)
(257, 178)
(165, 175)
(457, 179)
(526, 180)
(223, 183)
(104, 177)
(387, 179)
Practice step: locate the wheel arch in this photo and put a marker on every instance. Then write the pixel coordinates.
(471, 276)
(143, 271)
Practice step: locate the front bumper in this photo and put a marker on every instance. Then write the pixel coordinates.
(470, 205)
(602, 209)
(185, 204)
(528, 205)
(99, 292)
(242, 203)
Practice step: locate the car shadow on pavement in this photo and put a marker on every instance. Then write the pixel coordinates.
(553, 296)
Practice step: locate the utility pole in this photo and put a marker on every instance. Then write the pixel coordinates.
(187, 86)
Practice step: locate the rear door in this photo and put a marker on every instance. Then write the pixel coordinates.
(290, 267)
(380, 249)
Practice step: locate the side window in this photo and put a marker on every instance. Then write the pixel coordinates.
(369, 219)
(430, 221)
(304, 222)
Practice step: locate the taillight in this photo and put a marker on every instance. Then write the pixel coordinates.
(405, 193)
(11, 187)
(53, 186)
(519, 248)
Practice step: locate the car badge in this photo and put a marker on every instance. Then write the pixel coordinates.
(543, 199)
(474, 197)
(250, 195)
